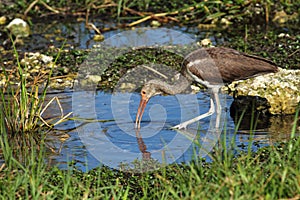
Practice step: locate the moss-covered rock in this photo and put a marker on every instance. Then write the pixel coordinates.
(281, 89)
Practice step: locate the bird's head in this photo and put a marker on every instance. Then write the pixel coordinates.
(149, 90)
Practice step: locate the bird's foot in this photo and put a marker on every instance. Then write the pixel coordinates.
(180, 126)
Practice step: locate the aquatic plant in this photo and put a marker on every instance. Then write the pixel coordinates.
(22, 104)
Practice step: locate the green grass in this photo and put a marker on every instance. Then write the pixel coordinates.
(20, 105)
(190, 11)
(272, 172)
(21, 121)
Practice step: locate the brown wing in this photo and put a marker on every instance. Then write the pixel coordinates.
(219, 64)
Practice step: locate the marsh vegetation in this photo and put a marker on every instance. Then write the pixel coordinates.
(265, 28)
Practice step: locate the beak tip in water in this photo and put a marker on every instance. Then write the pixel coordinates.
(140, 113)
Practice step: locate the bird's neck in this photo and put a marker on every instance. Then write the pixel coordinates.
(179, 86)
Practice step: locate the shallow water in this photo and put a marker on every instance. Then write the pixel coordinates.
(114, 140)
(54, 32)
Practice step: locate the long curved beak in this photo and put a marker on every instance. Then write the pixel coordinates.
(140, 112)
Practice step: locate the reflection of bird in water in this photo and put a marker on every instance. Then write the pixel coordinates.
(210, 67)
(142, 146)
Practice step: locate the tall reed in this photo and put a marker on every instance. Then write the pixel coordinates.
(21, 123)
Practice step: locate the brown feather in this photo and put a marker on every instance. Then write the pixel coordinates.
(219, 64)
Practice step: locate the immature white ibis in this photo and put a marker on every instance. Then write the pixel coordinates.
(211, 67)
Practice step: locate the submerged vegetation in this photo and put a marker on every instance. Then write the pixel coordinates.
(272, 172)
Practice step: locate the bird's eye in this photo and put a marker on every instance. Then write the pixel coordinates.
(143, 92)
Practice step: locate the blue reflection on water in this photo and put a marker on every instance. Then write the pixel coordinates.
(120, 134)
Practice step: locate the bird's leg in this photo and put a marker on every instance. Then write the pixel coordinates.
(211, 111)
(218, 105)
